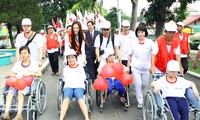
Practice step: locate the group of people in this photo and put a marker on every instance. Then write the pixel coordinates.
(93, 49)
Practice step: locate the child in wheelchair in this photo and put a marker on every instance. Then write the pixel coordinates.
(112, 82)
(24, 67)
(173, 90)
(74, 77)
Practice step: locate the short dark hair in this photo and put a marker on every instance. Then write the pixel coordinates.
(141, 27)
(90, 22)
(24, 48)
(68, 26)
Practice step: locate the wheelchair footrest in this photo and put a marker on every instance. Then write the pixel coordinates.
(13, 108)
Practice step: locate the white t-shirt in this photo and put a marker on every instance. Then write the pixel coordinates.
(37, 43)
(198, 47)
(125, 44)
(104, 43)
(141, 54)
(19, 69)
(74, 77)
(176, 89)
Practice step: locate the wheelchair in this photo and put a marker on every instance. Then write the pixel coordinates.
(87, 94)
(156, 107)
(100, 101)
(34, 102)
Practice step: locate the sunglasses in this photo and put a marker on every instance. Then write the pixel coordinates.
(106, 29)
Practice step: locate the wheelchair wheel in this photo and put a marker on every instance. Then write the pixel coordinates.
(148, 107)
(59, 96)
(164, 117)
(41, 97)
(196, 115)
(90, 95)
(31, 112)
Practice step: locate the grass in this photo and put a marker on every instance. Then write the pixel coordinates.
(190, 64)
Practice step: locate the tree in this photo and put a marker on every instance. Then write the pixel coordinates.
(12, 12)
(159, 12)
(134, 14)
(112, 17)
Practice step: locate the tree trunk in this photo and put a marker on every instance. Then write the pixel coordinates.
(159, 28)
(100, 8)
(9, 26)
(134, 14)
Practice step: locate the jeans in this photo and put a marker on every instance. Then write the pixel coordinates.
(117, 85)
(76, 92)
(191, 98)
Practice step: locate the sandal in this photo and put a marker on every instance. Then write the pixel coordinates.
(122, 99)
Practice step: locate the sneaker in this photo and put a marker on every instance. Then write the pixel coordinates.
(122, 99)
(139, 106)
(57, 73)
(6, 116)
(18, 117)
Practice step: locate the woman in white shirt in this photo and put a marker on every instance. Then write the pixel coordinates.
(74, 77)
(140, 61)
(24, 67)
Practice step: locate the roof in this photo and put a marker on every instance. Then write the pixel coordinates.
(191, 19)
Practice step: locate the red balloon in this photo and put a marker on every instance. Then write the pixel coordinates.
(118, 76)
(118, 67)
(28, 80)
(126, 79)
(10, 81)
(107, 71)
(100, 83)
(20, 84)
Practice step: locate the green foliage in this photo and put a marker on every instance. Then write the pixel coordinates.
(190, 64)
(112, 17)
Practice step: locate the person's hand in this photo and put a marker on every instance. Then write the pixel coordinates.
(60, 52)
(195, 64)
(40, 63)
(27, 74)
(152, 69)
(126, 70)
(156, 90)
(196, 93)
(18, 75)
(84, 62)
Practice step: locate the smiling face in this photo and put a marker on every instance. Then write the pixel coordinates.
(141, 34)
(75, 29)
(71, 60)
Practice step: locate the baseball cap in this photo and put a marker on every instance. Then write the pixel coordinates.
(50, 26)
(26, 21)
(107, 52)
(106, 24)
(42, 31)
(70, 52)
(125, 23)
(173, 65)
(180, 23)
(171, 26)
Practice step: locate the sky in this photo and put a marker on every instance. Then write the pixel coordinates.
(126, 5)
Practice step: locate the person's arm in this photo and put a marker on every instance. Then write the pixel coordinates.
(40, 56)
(83, 52)
(178, 58)
(97, 53)
(17, 54)
(194, 88)
(195, 64)
(155, 86)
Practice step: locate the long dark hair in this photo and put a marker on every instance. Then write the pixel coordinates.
(80, 36)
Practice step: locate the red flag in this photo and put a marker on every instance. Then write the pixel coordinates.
(58, 23)
(53, 23)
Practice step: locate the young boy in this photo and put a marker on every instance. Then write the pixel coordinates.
(173, 90)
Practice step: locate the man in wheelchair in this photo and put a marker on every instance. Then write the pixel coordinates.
(24, 67)
(173, 90)
(74, 77)
(112, 82)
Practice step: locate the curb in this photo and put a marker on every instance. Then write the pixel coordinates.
(44, 65)
(193, 74)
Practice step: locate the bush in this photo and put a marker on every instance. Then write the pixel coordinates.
(194, 45)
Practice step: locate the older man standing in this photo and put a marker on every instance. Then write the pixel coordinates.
(32, 40)
(53, 44)
(106, 40)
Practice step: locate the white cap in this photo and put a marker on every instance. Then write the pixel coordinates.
(171, 26)
(70, 52)
(107, 52)
(106, 24)
(50, 26)
(125, 23)
(42, 31)
(117, 30)
(26, 21)
(173, 65)
(180, 23)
